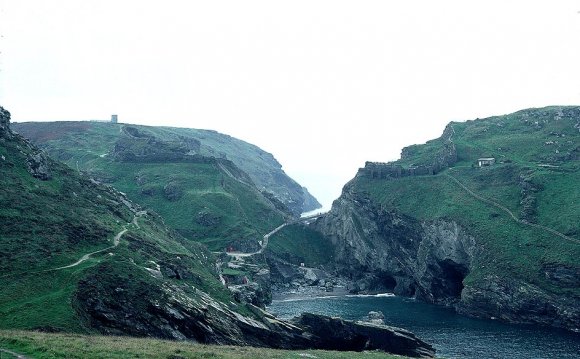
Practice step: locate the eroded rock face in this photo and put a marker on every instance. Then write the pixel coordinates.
(4, 122)
(338, 334)
(176, 311)
(38, 166)
(37, 162)
(385, 250)
(516, 301)
(121, 303)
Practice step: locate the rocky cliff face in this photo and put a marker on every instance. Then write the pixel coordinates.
(498, 241)
(175, 311)
(182, 312)
(37, 162)
(4, 122)
(385, 250)
(517, 301)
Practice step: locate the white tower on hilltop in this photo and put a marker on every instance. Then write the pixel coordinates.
(113, 118)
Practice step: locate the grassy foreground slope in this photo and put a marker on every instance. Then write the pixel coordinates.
(536, 176)
(178, 173)
(71, 346)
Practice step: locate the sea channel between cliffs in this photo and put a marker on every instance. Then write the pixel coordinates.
(451, 334)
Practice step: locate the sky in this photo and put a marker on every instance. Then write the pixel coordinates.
(322, 85)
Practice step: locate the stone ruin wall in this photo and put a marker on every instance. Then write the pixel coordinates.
(444, 158)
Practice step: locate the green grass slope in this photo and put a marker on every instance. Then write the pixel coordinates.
(82, 142)
(206, 199)
(77, 256)
(524, 210)
(51, 218)
(53, 346)
(298, 244)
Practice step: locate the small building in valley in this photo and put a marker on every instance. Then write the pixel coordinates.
(487, 161)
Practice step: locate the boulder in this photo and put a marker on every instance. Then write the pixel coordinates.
(173, 191)
(310, 276)
(38, 166)
(4, 122)
(375, 317)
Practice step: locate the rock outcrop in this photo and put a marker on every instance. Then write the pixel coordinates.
(375, 317)
(37, 161)
(517, 301)
(338, 334)
(4, 123)
(179, 311)
(38, 166)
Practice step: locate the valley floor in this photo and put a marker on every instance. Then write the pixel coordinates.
(59, 345)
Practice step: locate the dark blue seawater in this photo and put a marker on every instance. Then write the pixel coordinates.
(452, 335)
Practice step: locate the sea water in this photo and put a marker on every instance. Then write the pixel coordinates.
(452, 335)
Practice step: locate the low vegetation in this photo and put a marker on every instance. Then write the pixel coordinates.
(181, 174)
(53, 222)
(300, 244)
(71, 346)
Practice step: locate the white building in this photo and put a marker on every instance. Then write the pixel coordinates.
(488, 161)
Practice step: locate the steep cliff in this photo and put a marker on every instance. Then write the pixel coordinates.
(497, 241)
(386, 250)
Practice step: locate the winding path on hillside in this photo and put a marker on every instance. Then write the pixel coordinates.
(503, 208)
(267, 236)
(511, 214)
(116, 241)
(14, 354)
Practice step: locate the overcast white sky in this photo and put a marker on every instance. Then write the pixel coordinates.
(323, 85)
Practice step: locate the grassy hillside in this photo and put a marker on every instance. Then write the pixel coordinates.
(81, 143)
(298, 244)
(536, 177)
(51, 218)
(52, 346)
(206, 199)
(78, 257)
